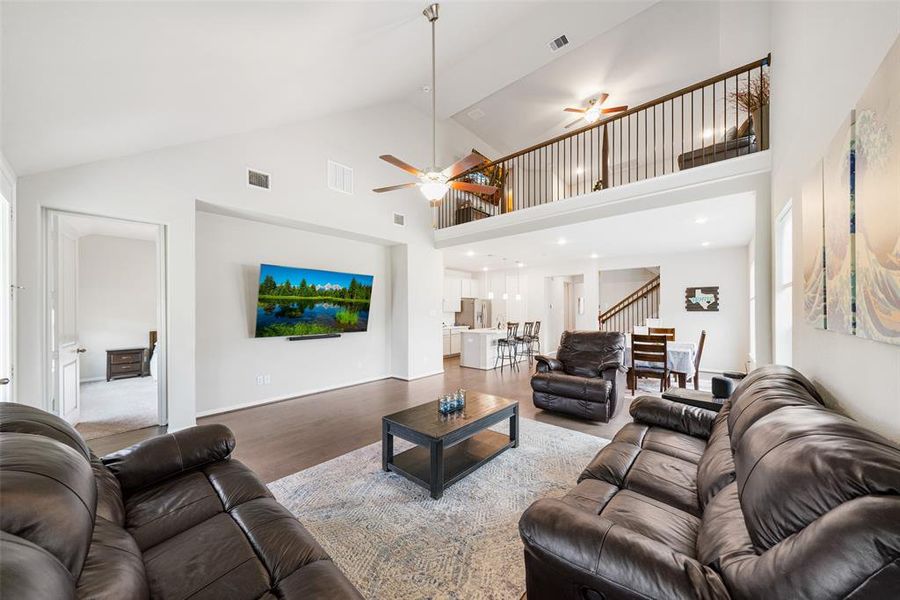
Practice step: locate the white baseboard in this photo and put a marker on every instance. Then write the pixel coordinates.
(252, 403)
(432, 374)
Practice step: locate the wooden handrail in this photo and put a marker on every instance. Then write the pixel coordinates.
(629, 299)
(763, 62)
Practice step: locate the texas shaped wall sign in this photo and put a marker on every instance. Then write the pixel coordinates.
(703, 299)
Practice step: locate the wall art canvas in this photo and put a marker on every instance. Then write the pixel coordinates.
(812, 234)
(837, 179)
(878, 203)
(705, 299)
(298, 302)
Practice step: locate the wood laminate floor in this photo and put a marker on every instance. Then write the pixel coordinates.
(284, 437)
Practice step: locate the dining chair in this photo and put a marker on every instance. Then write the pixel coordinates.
(669, 332)
(649, 359)
(506, 347)
(696, 374)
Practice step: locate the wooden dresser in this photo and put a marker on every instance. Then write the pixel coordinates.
(125, 362)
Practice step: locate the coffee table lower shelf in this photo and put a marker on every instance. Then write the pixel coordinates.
(458, 460)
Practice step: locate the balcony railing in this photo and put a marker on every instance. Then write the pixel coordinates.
(720, 118)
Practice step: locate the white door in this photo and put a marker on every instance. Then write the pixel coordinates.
(65, 348)
(6, 291)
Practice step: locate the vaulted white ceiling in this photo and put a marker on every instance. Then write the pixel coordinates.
(88, 81)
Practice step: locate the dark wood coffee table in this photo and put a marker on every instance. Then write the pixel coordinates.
(448, 447)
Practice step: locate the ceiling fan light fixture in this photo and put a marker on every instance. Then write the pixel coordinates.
(592, 115)
(434, 185)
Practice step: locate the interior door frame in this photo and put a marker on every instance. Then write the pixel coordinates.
(50, 379)
(8, 289)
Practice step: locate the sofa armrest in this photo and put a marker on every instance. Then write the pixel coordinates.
(690, 420)
(546, 364)
(567, 548)
(613, 364)
(163, 456)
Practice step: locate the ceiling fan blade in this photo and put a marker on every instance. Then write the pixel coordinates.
(575, 122)
(463, 165)
(391, 188)
(580, 111)
(472, 187)
(613, 109)
(399, 163)
(601, 98)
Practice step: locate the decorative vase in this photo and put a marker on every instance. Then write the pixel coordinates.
(761, 126)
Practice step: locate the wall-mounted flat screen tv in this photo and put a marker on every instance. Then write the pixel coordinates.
(300, 302)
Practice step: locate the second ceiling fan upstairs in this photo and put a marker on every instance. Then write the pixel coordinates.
(593, 111)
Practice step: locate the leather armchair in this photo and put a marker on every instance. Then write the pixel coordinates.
(585, 379)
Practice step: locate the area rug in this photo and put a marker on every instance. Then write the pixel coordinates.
(110, 407)
(394, 542)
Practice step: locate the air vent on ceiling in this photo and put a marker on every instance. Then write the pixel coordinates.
(559, 43)
(400, 219)
(257, 179)
(475, 114)
(340, 177)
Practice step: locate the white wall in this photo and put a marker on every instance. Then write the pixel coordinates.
(728, 330)
(116, 298)
(230, 357)
(823, 55)
(163, 186)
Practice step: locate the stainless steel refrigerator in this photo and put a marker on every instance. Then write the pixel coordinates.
(475, 313)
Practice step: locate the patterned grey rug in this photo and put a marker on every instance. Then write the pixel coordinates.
(394, 542)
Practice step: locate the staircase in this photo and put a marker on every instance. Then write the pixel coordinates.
(634, 309)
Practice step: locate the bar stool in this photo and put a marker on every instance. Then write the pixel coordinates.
(506, 347)
(536, 337)
(526, 339)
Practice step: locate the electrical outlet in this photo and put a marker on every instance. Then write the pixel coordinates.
(267, 379)
(259, 380)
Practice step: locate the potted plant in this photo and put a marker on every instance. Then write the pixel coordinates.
(755, 100)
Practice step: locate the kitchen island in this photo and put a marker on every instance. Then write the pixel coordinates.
(479, 348)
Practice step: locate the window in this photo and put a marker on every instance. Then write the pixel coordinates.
(784, 276)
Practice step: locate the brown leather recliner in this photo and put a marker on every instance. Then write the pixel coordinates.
(776, 497)
(585, 379)
(172, 517)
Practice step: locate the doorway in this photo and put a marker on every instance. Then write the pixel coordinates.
(6, 296)
(106, 315)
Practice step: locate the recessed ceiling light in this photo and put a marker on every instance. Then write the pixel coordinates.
(484, 268)
(470, 253)
(520, 264)
(561, 241)
(705, 244)
(700, 220)
(579, 171)
(707, 133)
(594, 255)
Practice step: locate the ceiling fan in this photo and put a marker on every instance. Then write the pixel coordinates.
(593, 112)
(433, 182)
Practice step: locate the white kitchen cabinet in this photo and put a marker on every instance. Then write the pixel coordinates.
(454, 342)
(473, 289)
(452, 294)
(447, 343)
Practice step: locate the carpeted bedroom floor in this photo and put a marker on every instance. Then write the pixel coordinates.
(111, 407)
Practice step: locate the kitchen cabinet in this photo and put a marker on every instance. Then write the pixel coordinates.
(452, 294)
(454, 342)
(446, 343)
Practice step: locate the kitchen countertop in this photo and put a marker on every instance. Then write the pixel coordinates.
(487, 331)
(454, 328)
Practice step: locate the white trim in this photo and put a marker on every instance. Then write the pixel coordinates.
(252, 403)
(423, 376)
(92, 379)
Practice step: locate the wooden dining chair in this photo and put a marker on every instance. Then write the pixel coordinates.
(652, 352)
(669, 332)
(696, 374)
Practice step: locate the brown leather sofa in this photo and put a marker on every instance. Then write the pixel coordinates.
(775, 497)
(587, 377)
(172, 517)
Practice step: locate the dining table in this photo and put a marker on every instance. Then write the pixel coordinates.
(679, 359)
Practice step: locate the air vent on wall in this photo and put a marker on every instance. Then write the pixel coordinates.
(558, 43)
(340, 177)
(257, 179)
(400, 219)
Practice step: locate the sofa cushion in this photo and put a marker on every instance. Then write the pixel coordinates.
(716, 467)
(21, 418)
(109, 493)
(213, 560)
(660, 439)
(29, 571)
(582, 369)
(594, 389)
(114, 568)
(722, 532)
(665, 478)
(655, 520)
(612, 463)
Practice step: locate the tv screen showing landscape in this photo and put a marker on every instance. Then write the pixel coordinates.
(300, 302)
